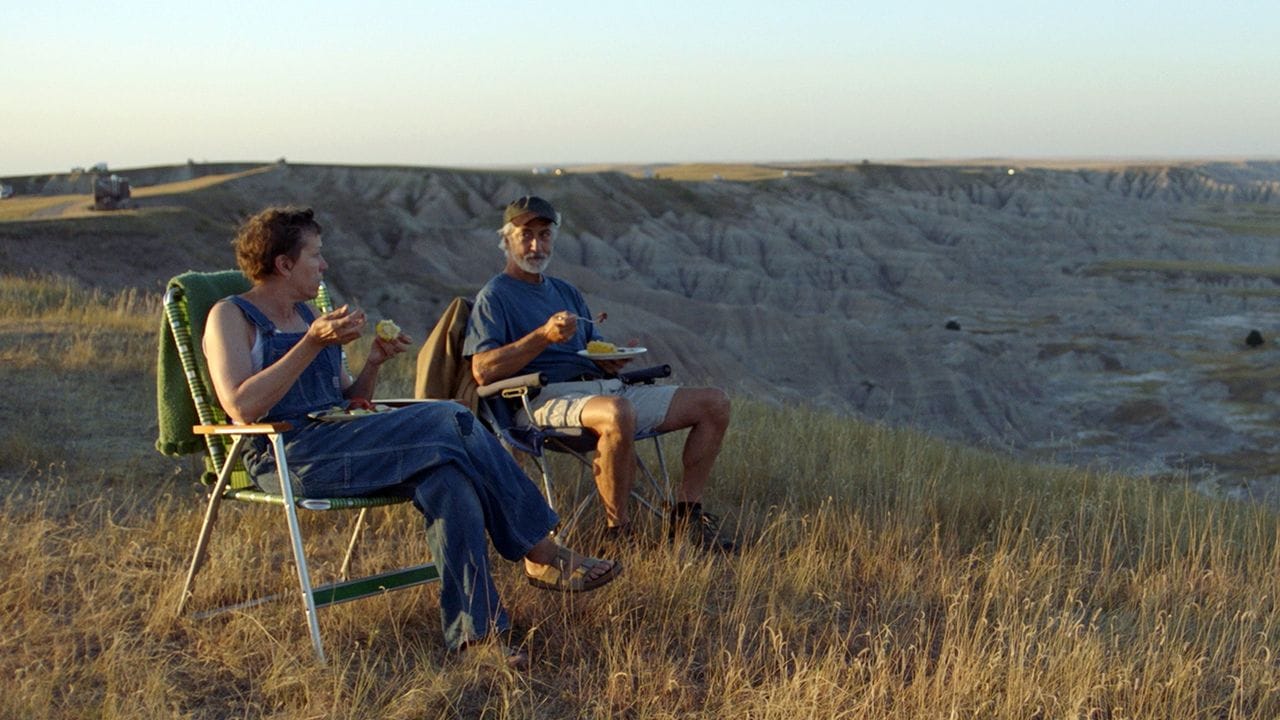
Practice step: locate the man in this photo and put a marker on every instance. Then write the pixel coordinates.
(526, 321)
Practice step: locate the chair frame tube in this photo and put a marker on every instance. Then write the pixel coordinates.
(314, 596)
(662, 490)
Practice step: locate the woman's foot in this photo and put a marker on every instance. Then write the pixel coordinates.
(551, 566)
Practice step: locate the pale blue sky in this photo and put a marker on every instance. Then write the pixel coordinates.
(461, 84)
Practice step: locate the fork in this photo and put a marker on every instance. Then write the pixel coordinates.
(600, 318)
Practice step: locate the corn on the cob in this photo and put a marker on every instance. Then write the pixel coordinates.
(387, 329)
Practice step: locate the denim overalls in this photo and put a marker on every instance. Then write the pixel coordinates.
(458, 475)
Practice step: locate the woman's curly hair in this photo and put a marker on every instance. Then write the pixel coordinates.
(269, 234)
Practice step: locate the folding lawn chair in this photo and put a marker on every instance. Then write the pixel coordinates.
(500, 402)
(188, 408)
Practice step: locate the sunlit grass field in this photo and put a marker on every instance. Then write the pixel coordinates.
(884, 575)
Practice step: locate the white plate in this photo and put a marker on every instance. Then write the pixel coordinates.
(346, 415)
(621, 353)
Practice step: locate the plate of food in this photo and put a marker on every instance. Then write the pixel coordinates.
(601, 350)
(347, 414)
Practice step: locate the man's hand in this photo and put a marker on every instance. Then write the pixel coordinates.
(612, 367)
(560, 327)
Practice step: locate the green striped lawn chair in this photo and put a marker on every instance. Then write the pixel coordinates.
(186, 305)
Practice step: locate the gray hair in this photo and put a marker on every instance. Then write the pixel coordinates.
(511, 230)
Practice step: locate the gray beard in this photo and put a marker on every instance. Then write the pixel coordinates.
(532, 267)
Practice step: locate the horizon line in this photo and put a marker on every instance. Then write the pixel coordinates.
(604, 165)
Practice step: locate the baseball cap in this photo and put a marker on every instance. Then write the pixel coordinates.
(527, 208)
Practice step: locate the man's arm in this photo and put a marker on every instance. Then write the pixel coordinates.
(504, 361)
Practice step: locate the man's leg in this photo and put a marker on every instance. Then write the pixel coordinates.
(614, 420)
(705, 411)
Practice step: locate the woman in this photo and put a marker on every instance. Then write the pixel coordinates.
(271, 359)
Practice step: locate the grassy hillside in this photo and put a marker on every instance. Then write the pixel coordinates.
(885, 575)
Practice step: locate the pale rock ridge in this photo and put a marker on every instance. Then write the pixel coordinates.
(834, 288)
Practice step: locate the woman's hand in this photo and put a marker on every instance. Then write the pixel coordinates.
(384, 350)
(338, 327)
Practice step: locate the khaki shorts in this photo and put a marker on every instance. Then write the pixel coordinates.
(560, 404)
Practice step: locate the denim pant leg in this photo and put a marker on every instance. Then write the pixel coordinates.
(516, 514)
(469, 603)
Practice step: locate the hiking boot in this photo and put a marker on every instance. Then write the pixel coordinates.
(700, 529)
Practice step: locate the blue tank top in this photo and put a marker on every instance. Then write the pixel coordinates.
(320, 385)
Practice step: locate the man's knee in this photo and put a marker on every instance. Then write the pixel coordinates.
(697, 407)
(721, 405)
(714, 406)
(606, 414)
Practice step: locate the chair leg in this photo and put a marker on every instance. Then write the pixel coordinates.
(567, 527)
(210, 517)
(578, 505)
(202, 545)
(351, 546)
(664, 491)
(661, 491)
(546, 480)
(295, 535)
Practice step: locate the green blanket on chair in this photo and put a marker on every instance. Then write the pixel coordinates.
(175, 408)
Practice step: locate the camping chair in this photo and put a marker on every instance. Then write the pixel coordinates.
(444, 374)
(186, 305)
(500, 403)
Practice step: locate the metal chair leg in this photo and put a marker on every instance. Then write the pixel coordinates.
(295, 534)
(210, 517)
(662, 491)
(546, 480)
(351, 546)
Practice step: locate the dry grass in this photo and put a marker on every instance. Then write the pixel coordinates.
(699, 172)
(1184, 267)
(62, 207)
(199, 183)
(37, 206)
(885, 575)
(737, 172)
(1257, 221)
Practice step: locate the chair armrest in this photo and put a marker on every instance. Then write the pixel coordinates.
(645, 375)
(527, 380)
(253, 429)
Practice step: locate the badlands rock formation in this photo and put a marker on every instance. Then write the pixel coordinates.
(1092, 316)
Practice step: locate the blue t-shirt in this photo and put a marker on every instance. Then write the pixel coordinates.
(507, 309)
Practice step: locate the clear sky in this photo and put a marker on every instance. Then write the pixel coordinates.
(487, 83)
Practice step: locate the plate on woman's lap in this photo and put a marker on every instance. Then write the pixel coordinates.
(341, 415)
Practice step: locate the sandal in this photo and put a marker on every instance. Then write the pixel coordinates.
(560, 576)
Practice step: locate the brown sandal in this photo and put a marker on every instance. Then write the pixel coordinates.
(560, 577)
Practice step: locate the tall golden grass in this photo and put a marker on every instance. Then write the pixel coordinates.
(884, 575)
